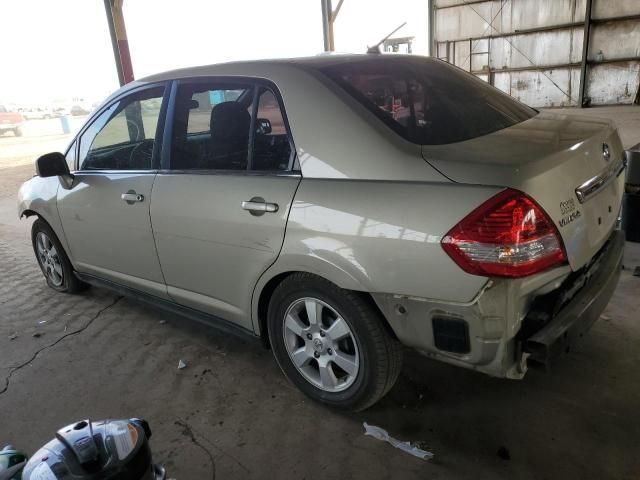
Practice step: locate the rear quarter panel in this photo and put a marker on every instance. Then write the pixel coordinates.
(380, 236)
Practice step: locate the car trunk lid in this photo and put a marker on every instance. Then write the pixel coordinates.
(570, 165)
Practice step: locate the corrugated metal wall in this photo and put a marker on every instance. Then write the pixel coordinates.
(532, 49)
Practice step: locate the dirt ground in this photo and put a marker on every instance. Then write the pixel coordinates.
(231, 414)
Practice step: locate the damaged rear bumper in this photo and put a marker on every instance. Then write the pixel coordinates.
(511, 323)
(579, 314)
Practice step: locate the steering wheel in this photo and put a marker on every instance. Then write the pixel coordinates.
(140, 157)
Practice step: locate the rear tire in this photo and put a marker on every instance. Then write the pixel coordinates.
(345, 357)
(17, 131)
(53, 260)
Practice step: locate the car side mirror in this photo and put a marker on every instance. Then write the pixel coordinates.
(54, 165)
(264, 126)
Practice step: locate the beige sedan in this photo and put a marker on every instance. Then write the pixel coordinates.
(339, 207)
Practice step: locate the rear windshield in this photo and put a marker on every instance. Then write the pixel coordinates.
(428, 101)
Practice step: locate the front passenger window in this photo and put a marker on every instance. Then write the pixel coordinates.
(123, 136)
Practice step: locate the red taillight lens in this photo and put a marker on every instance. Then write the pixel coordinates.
(507, 236)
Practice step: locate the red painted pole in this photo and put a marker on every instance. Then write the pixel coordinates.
(119, 40)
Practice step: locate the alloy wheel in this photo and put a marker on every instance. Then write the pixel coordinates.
(321, 345)
(49, 259)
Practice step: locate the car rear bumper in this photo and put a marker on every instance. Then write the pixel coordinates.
(580, 313)
(9, 126)
(512, 322)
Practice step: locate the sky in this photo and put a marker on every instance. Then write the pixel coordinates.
(60, 49)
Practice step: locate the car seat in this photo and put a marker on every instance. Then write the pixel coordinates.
(230, 124)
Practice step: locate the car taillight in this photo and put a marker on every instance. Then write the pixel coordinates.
(509, 235)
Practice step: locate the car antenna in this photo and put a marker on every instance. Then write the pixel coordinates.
(376, 48)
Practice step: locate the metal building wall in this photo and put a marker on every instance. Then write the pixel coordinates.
(532, 49)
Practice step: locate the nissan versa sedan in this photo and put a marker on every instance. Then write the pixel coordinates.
(340, 207)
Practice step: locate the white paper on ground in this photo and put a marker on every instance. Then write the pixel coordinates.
(382, 434)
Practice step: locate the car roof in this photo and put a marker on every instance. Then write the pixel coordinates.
(317, 61)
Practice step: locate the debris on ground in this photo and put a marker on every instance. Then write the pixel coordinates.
(181, 365)
(13, 336)
(42, 321)
(162, 322)
(636, 272)
(37, 335)
(503, 453)
(383, 435)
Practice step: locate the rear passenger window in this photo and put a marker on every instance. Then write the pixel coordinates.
(214, 129)
(211, 127)
(271, 147)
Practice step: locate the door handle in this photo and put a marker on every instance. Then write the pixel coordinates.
(132, 197)
(257, 206)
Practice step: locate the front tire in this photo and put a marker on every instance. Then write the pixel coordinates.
(53, 260)
(333, 344)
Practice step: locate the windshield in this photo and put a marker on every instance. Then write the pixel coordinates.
(428, 102)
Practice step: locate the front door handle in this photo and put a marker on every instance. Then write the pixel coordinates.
(257, 206)
(132, 197)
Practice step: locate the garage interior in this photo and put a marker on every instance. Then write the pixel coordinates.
(232, 414)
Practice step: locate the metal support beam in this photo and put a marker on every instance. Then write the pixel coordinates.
(432, 24)
(548, 28)
(119, 42)
(327, 26)
(622, 18)
(462, 4)
(529, 68)
(328, 19)
(585, 54)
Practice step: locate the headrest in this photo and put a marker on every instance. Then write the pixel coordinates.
(230, 121)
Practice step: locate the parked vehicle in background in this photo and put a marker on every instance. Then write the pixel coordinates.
(340, 207)
(79, 110)
(11, 121)
(36, 113)
(60, 112)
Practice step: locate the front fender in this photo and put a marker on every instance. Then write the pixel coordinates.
(39, 196)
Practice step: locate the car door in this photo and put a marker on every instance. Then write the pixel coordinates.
(105, 215)
(219, 208)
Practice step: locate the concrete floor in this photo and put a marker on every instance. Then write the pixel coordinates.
(231, 413)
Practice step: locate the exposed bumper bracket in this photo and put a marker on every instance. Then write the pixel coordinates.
(575, 318)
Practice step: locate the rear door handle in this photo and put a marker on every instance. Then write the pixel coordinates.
(257, 206)
(132, 197)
